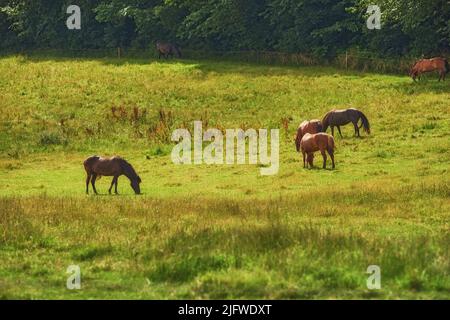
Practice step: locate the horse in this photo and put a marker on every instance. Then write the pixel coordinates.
(342, 117)
(96, 167)
(311, 143)
(311, 126)
(429, 65)
(167, 49)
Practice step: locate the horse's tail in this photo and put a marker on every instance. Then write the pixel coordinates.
(331, 143)
(298, 139)
(365, 122)
(88, 165)
(447, 66)
(413, 69)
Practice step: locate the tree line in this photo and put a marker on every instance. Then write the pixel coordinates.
(318, 27)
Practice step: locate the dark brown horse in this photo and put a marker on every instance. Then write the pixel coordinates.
(428, 65)
(166, 49)
(96, 167)
(311, 143)
(338, 118)
(311, 126)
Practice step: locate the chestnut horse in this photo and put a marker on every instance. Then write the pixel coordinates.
(311, 126)
(340, 118)
(311, 143)
(167, 49)
(96, 167)
(429, 65)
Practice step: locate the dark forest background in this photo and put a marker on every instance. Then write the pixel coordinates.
(318, 27)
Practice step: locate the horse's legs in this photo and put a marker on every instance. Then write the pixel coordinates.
(94, 177)
(355, 124)
(304, 159)
(332, 131)
(339, 129)
(87, 182)
(310, 160)
(115, 187)
(331, 153)
(324, 156)
(112, 183)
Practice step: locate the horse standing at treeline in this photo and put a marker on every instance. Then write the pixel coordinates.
(428, 65)
(96, 167)
(167, 49)
(338, 118)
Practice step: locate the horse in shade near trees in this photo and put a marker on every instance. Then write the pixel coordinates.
(167, 49)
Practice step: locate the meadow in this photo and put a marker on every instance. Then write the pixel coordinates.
(219, 231)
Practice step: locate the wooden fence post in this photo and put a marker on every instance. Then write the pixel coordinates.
(346, 60)
(119, 52)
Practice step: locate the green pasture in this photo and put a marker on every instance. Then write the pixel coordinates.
(219, 231)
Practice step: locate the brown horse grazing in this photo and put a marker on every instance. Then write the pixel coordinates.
(311, 126)
(337, 118)
(167, 49)
(429, 65)
(317, 142)
(96, 167)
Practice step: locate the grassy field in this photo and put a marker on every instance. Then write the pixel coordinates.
(224, 231)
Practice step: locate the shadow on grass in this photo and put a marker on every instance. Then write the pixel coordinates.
(205, 65)
(413, 88)
(233, 66)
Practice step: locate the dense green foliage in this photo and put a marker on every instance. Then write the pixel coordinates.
(321, 27)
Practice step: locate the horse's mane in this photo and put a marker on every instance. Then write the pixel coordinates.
(126, 166)
(326, 120)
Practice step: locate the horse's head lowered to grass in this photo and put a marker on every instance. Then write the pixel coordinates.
(135, 184)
